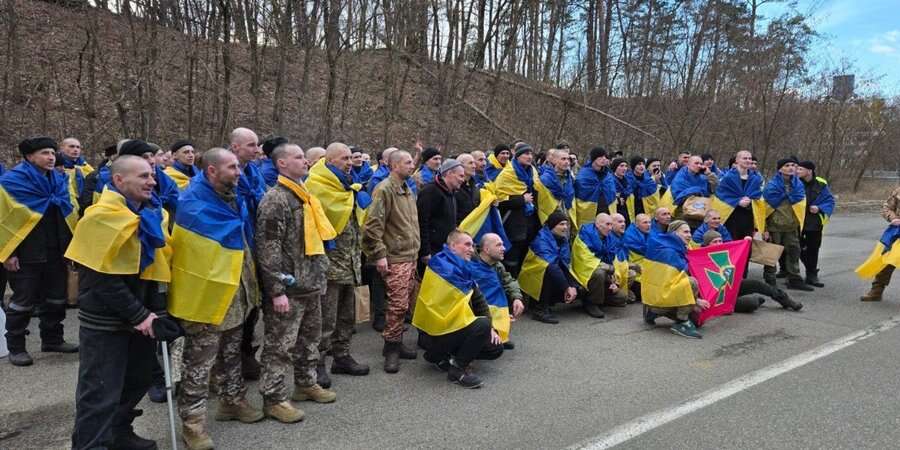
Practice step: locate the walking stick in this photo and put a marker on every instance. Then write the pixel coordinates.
(167, 371)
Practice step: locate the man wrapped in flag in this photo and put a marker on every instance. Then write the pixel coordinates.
(344, 201)
(37, 218)
(635, 239)
(120, 246)
(431, 161)
(593, 257)
(883, 260)
(595, 190)
(692, 180)
(213, 290)
(666, 288)
(546, 272)
(166, 190)
(183, 159)
(75, 165)
(739, 199)
(711, 222)
(819, 207)
(645, 191)
(557, 192)
(517, 187)
(500, 289)
(626, 271)
(453, 318)
(496, 161)
(786, 205)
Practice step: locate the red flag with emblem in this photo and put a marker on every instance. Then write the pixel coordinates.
(719, 270)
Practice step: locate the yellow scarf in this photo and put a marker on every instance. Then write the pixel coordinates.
(316, 227)
(337, 201)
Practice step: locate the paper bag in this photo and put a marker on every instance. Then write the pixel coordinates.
(694, 208)
(765, 253)
(362, 304)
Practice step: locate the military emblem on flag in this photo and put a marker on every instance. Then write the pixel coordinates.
(719, 270)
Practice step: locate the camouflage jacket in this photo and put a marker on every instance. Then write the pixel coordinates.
(280, 246)
(890, 209)
(345, 259)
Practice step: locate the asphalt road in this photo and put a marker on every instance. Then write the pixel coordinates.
(566, 385)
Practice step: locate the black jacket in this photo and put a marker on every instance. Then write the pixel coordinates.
(86, 196)
(467, 198)
(813, 222)
(47, 241)
(116, 302)
(517, 225)
(437, 216)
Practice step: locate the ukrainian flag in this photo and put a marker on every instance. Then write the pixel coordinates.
(825, 202)
(442, 305)
(644, 190)
(635, 242)
(686, 184)
(543, 251)
(588, 251)
(553, 195)
(76, 170)
(181, 174)
(338, 196)
(619, 259)
(776, 192)
(484, 219)
(732, 189)
(489, 284)
(208, 243)
(665, 282)
(589, 186)
(25, 195)
(113, 239)
(886, 252)
(493, 167)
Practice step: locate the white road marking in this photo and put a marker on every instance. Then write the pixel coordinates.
(643, 424)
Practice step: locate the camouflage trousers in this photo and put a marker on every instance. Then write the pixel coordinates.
(400, 281)
(598, 289)
(338, 319)
(205, 345)
(291, 337)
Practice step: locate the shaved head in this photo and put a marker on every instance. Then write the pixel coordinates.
(127, 164)
(339, 155)
(132, 177)
(386, 155)
(314, 154)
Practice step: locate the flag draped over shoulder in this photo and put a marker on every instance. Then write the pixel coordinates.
(25, 195)
(697, 237)
(337, 195)
(493, 167)
(208, 243)
(517, 180)
(426, 175)
(442, 305)
(589, 249)
(181, 174)
(553, 195)
(776, 192)
(167, 189)
(719, 271)
(886, 252)
(644, 190)
(825, 201)
(732, 189)
(484, 219)
(362, 174)
(269, 172)
(112, 238)
(589, 187)
(664, 280)
(542, 252)
(686, 184)
(316, 226)
(489, 284)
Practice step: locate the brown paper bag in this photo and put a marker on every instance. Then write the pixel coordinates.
(362, 304)
(765, 253)
(694, 208)
(72, 286)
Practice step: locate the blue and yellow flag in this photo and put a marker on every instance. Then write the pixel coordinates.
(492, 168)
(590, 186)
(76, 169)
(542, 252)
(635, 243)
(484, 219)
(697, 237)
(686, 184)
(442, 306)
(111, 238)
(208, 243)
(825, 201)
(553, 195)
(589, 249)
(317, 228)
(338, 196)
(269, 172)
(664, 280)
(644, 190)
(732, 189)
(181, 174)
(776, 192)
(489, 284)
(25, 195)
(886, 252)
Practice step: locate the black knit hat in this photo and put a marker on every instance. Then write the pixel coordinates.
(635, 160)
(499, 148)
(522, 149)
(597, 152)
(272, 143)
(783, 161)
(31, 145)
(809, 165)
(555, 219)
(616, 162)
(429, 153)
(180, 143)
(135, 147)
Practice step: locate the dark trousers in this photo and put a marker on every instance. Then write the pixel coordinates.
(247, 348)
(465, 345)
(377, 292)
(38, 290)
(515, 256)
(2, 287)
(810, 243)
(114, 373)
(554, 286)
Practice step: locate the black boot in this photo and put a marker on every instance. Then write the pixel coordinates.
(593, 310)
(322, 378)
(391, 357)
(543, 313)
(62, 347)
(16, 330)
(347, 365)
(786, 301)
(378, 323)
(797, 284)
(130, 441)
(812, 279)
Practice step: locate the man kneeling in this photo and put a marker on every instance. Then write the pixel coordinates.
(452, 316)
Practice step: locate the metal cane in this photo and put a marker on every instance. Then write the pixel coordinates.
(167, 371)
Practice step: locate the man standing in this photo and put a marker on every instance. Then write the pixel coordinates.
(739, 198)
(76, 167)
(292, 264)
(480, 163)
(692, 180)
(595, 189)
(183, 159)
(819, 207)
(391, 241)
(786, 195)
(890, 211)
(436, 207)
(496, 161)
(431, 162)
(497, 285)
(120, 302)
(516, 184)
(559, 182)
(211, 297)
(330, 181)
(468, 196)
(32, 250)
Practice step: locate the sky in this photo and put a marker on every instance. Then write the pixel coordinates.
(864, 33)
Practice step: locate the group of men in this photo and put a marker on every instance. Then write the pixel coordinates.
(171, 242)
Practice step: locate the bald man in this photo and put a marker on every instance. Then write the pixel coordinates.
(469, 194)
(497, 284)
(661, 218)
(314, 154)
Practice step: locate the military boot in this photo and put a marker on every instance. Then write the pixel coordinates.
(874, 294)
(347, 365)
(242, 410)
(193, 431)
(315, 393)
(322, 375)
(812, 278)
(391, 357)
(284, 412)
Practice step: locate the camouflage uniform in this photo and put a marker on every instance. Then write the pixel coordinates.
(784, 229)
(292, 336)
(339, 303)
